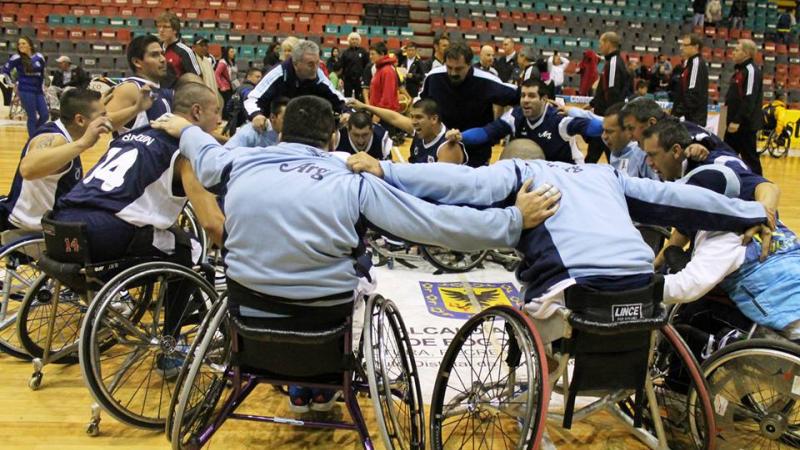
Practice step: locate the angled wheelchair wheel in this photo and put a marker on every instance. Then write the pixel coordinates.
(19, 271)
(187, 221)
(393, 377)
(678, 412)
(764, 141)
(136, 336)
(34, 318)
(452, 261)
(492, 389)
(779, 151)
(755, 386)
(202, 380)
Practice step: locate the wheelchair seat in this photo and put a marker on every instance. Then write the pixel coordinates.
(611, 339)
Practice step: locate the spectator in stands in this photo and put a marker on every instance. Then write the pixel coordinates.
(414, 70)
(486, 60)
(506, 63)
(236, 112)
(465, 97)
(642, 90)
(207, 63)
(526, 60)
(224, 75)
(556, 66)
(662, 74)
(614, 87)
(784, 26)
(544, 77)
(691, 99)
(68, 76)
(743, 101)
(699, 8)
(384, 84)
(180, 58)
(440, 45)
(588, 71)
(354, 60)
(299, 75)
(738, 14)
(247, 136)
(29, 66)
(713, 12)
(273, 56)
(286, 47)
(333, 60)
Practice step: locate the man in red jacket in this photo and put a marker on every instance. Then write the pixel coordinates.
(384, 84)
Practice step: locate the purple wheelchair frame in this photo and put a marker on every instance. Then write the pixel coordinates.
(241, 392)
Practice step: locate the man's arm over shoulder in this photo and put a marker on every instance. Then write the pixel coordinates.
(211, 162)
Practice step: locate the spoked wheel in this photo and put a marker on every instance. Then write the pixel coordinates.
(452, 261)
(778, 150)
(202, 380)
(679, 402)
(491, 390)
(754, 385)
(393, 377)
(18, 271)
(33, 319)
(136, 337)
(187, 221)
(763, 141)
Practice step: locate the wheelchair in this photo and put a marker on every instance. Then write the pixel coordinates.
(389, 252)
(19, 254)
(120, 335)
(494, 385)
(233, 354)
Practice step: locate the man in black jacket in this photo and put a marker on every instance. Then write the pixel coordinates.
(743, 101)
(353, 61)
(68, 76)
(691, 95)
(613, 87)
(415, 70)
(506, 64)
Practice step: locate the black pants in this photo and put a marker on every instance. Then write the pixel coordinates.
(596, 148)
(744, 143)
(352, 88)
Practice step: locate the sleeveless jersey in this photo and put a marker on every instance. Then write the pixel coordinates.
(379, 147)
(422, 152)
(162, 104)
(553, 132)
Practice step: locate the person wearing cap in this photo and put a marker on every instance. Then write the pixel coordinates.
(206, 62)
(414, 69)
(527, 63)
(69, 76)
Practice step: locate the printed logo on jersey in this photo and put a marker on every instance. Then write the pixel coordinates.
(316, 172)
(460, 300)
(546, 134)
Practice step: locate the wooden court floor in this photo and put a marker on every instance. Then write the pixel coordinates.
(56, 415)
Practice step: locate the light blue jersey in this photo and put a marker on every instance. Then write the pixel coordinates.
(247, 136)
(293, 213)
(592, 235)
(632, 161)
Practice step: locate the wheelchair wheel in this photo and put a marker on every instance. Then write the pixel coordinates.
(202, 380)
(683, 403)
(763, 140)
(452, 261)
(33, 319)
(393, 377)
(187, 221)
(492, 389)
(776, 150)
(129, 355)
(755, 386)
(19, 271)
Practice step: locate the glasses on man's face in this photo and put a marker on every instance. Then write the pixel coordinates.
(164, 26)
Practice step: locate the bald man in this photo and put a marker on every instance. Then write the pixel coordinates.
(744, 104)
(486, 60)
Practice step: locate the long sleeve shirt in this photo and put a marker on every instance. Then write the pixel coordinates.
(598, 205)
(692, 99)
(30, 80)
(614, 85)
(292, 215)
(745, 96)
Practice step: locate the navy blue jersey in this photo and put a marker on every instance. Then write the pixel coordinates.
(379, 146)
(133, 180)
(748, 180)
(162, 104)
(552, 131)
(30, 199)
(427, 152)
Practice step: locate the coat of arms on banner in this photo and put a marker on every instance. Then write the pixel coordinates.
(460, 300)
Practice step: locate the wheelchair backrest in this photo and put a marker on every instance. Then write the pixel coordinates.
(65, 242)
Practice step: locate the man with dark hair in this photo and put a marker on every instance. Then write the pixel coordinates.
(296, 76)
(383, 85)
(236, 113)
(415, 69)
(537, 120)
(691, 99)
(465, 97)
(360, 135)
(743, 101)
(138, 99)
(642, 113)
(430, 142)
(50, 165)
(626, 156)
(353, 60)
(180, 57)
(247, 136)
(441, 42)
(311, 278)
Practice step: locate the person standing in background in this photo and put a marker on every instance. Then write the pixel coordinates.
(691, 94)
(743, 100)
(68, 76)
(29, 66)
(556, 66)
(588, 71)
(414, 68)
(223, 74)
(353, 60)
(486, 60)
(506, 64)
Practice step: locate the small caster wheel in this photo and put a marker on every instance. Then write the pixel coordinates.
(93, 429)
(36, 381)
(390, 263)
(511, 267)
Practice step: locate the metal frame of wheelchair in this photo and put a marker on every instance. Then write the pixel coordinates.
(125, 313)
(216, 360)
(18, 256)
(494, 387)
(770, 144)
